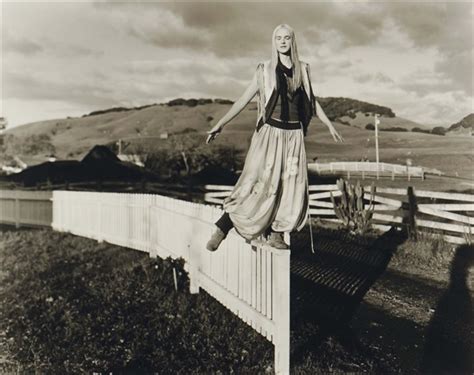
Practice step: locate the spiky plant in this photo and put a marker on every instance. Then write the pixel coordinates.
(350, 208)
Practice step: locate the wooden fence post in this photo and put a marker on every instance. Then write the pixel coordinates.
(281, 310)
(412, 209)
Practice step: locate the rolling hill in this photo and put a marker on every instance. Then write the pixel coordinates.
(73, 137)
(145, 129)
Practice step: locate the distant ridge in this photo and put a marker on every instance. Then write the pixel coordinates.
(73, 137)
(154, 127)
(179, 101)
(466, 123)
(338, 107)
(334, 107)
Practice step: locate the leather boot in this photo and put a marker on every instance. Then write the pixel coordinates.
(217, 237)
(275, 239)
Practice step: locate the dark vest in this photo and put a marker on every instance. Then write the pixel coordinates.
(305, 110)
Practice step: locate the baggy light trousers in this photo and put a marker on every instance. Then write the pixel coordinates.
(273, 187)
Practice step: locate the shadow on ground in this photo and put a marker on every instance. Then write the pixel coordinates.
(328, 286)
(330, 319)
(449, 344)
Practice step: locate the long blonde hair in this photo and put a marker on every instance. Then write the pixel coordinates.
(295, 81)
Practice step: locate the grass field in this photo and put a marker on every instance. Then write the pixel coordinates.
(69, 304)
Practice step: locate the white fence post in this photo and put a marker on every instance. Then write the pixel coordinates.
(17, 210)
(194, 266)
(100, 237)
(281, 310)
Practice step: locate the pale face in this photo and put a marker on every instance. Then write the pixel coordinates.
(283, 40)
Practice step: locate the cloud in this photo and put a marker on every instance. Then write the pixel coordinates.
(165, 29)
(105, 54)
(374, 78)
(20, 45)
(230, 30)
(32, 87)
(448, 28)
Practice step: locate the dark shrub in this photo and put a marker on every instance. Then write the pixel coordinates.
(420, 130)
(144, 106)
(191, 102)
(394, 129)
(438, 130)
(178, 101)
(223, 101)
(110, 110)
(204, 101)
(171, 162)
(370, 127)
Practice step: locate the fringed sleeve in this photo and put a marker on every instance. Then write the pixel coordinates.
(313, 98)
(261, 91)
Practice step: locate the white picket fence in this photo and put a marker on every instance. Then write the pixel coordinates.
(31, 208)
(250, 279)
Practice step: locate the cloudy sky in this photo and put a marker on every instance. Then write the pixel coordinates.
(69, 58)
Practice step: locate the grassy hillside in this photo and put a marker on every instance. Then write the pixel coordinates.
(73, 137)
(140, 130)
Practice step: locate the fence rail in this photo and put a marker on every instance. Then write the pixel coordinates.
(250, 279)
(449, 214)
(365, 168)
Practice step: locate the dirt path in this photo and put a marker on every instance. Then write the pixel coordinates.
(415, 318)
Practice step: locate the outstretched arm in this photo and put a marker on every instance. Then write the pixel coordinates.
(322, 116)
(236, 108)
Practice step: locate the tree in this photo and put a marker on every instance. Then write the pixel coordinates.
(438, 130)
(187, 154)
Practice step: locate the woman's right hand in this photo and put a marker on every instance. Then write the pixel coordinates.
(214, 132)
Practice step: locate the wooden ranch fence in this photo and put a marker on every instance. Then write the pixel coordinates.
(370, 168)
(449, 214)
(250, 279)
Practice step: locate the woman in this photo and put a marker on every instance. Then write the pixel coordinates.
(272, 191)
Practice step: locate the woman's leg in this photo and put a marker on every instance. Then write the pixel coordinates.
(225, 223)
